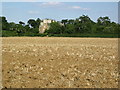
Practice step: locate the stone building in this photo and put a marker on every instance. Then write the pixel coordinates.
(45, 25)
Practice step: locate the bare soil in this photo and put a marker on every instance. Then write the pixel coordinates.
(51, 62)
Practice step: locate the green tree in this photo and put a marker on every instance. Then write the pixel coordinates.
(70, 29)
(55, 28)
(84, 24)
(103, 25)
(12, 26)
(32, 23)
(20, 29)
(5, 25)
(71, 21)
(38, 21)
(103, 21)
(64, 21)
(22, 23)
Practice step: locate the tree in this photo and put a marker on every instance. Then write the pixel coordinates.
(27, 28)
(20, 29)
(115, 27)
(55, 28)
(71, 21)
(38, 21)
(4, 20)
(64, 21)
(77, 25)
(84, 19)
(103, 21)
(103, 25)
(84, 24)
(5, 25)
(22, 23)
(12, 26)
(70, 29)
(32, 23)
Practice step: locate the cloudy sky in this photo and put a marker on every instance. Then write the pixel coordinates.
(22, 11)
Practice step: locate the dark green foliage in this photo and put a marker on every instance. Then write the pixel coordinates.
(85, 27)
(32, 23)
(6, 33)
(38, 21)
(5, 25)
(70, 28)
(55, 28)
(84, 35)
(79, 27)
(64, 21)
(12, 29)
(85, 24)
(22, 23)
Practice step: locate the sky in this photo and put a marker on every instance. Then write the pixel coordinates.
(60, 0)
(23, 11)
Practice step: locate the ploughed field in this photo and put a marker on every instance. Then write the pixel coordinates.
(52, 62)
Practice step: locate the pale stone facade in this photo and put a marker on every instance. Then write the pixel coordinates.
(45, 25)
(47, 21)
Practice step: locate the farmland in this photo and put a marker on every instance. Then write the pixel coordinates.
(52, 62)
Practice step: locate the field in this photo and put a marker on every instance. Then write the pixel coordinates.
(52, 62)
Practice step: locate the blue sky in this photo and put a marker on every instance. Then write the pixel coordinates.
(22, 11)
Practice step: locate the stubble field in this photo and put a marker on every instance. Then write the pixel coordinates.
(51, 62)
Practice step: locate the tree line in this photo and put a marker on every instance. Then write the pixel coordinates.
(79, 27)
(21, 29)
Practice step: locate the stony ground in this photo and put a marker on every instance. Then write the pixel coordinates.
(42, 62)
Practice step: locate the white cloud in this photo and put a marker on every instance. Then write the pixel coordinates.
(62, 5)
(51, 4)
(76, 7)
(79, 8)
(33, 12)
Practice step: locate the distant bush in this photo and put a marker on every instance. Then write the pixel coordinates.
(8, 33)
(85, 35)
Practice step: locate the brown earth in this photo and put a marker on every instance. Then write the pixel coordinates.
(48, 62)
